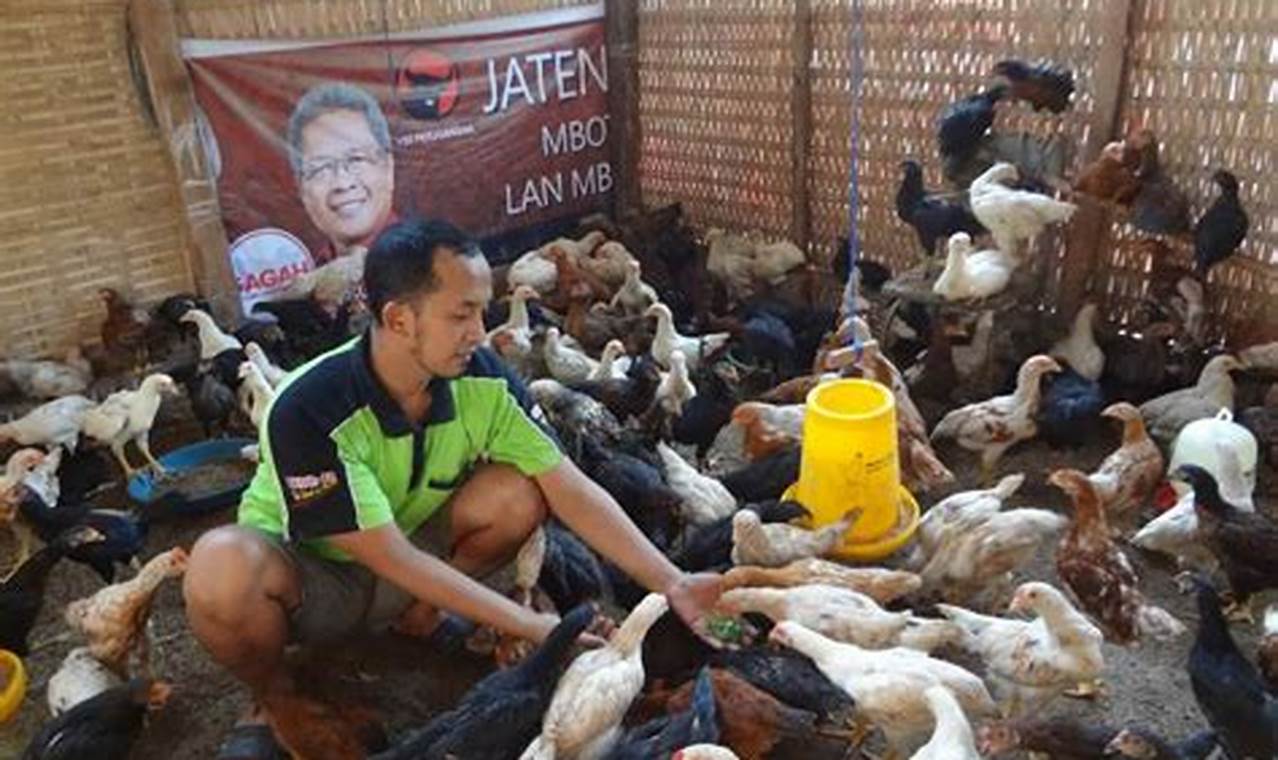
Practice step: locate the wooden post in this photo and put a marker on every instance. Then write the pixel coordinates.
(155, 34)
(801, 123)
(622, 25)
(1089, 231)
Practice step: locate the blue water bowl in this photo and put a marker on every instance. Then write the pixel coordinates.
(143, 488)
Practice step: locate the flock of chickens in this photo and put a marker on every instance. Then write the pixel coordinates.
(939, 650)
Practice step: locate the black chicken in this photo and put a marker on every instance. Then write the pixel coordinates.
(1069, 414)
(22, 594)
(1222, 227)
(705, 414)
(570, 572)
(637, 486)
(309, 330)
(933, 219)
(790, 677)
(501, 714)
(1227, 686)
(1143, 744)
(103, 727)
(628, 396)
(123, 533)
(764, 479)
(1043, 85)
(661, 737)
(212, 401)
(1245, 543)
(964, 123)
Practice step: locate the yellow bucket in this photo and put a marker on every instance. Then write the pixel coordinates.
(13, 684)
(850, 460)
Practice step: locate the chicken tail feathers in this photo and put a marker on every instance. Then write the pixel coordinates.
(540, 749)
(1158, 624)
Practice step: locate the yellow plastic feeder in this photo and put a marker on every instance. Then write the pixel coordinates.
(13, 684)
(850, 461)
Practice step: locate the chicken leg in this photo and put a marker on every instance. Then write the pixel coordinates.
(117, 448)
(144, 445)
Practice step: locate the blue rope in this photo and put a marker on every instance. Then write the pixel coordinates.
(854, 186)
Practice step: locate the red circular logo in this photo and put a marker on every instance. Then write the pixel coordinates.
(429, 84)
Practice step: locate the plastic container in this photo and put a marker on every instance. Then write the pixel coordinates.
(143, 487)
(1198, 441)
(850, 461)
(13, 684)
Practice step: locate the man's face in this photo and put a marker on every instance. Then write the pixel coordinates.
(347, 180)
(449, 321)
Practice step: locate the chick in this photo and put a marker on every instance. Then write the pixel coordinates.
(775, 544)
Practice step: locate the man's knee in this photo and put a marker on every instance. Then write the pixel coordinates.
(503, 498)
(228, 567)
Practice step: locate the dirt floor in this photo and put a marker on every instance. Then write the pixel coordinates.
(403, 681)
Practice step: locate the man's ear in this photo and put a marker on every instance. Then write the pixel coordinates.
(398, 318)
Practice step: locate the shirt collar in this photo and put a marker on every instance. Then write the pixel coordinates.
(392, 419)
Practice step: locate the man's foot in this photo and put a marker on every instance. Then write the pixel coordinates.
(443, 631)
(251, 739)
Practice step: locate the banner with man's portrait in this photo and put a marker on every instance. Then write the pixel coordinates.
(317, 145)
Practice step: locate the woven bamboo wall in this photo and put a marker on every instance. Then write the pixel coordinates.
(1204, 77)
(87, 196)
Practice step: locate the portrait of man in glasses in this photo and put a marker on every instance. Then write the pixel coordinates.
(340, 151)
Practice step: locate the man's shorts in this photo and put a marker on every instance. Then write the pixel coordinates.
(340, 599)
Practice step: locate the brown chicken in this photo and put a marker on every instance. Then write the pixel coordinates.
(762, 435)
(1127, 478)
(880, 584)
(792, 391)
(1112, 176)
(1099, 575)
(573, 282)
(310, 728)
(1057, 738)
(114, 619)
(124, 329)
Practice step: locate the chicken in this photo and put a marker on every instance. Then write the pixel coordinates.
(887, 685)
(663, 735)
(596, 690)
(1079, 350)
(832, 611)
(992, 427)
(1127, 478)
(1029, 663)
(765, 478)
(1222, 228)
(123, 533)
(55, 423)
(769, 428)
(212, 401)
(788, 677)
(632, 394)
(566, 364)
(1057, 738)
(81, 676)
(1099, 575)
(879, 583)
(634, 296)
(675, 389)
(1244, 543)
(316, 729)
(213, 341)
(962, 124)
(1267, 649)
(272, 373)
(123, 332)
(609, 263)
(1191, 307)
(255, 393)
(613, 362)
(743, 265)
(703, 499)
(1229, 690)
(535, 270)
(502, 713)
(697, 350)
(127, 416)
(45, 379)
(964, 511)
(22, 593)
(1044, 85)
(972, 274)
(572, 281)
(104, 727)
(932, 218)
(1166, 415)
(1111, 177)
(35, 470)
(710, 546)
(1175, 531)
(113, 620)
(705, 752)
(755, 542)
(952, 738)
(1013, 216)
(333, 284)
(1146, 745)
(973, 359)
(1159, 207)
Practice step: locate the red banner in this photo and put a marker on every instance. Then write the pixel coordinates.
(318, 145)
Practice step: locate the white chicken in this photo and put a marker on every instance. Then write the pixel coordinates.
(973, 358)
(332, 284)
(517, 324)
(768, 427)
(79, 677)
(1031, 662)
(755, 542)
(255, 393)
(36, 470)
(566, 364)
(596, 690)
(613, 362)
(702, 499)
(704, 752)
(212, 340)
(888, 684)
(952, 739)
(879, 583)
(993, 426)
(1128, 476)
(1166, 415)
(634, 296)
(666, 340)
(55, 423)
(1079, 350)
(1013, 216)
(971, 274)
(272, 373)
(965, 510)
(127, 416)
(536, 268)
(44, 378)
(979, 560)
(675, 388)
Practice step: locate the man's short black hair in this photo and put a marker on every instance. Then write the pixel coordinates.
(401, 264)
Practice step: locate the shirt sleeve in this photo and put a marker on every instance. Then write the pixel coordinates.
(515, 439)
(326, 489)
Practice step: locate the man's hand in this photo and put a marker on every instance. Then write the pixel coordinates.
(693, 597)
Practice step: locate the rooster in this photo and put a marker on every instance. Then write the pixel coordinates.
(932, 218)
(1044, 85)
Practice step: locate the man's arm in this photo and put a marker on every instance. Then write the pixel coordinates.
(386, 552)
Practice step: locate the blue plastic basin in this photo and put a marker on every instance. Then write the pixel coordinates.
(142, 487)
